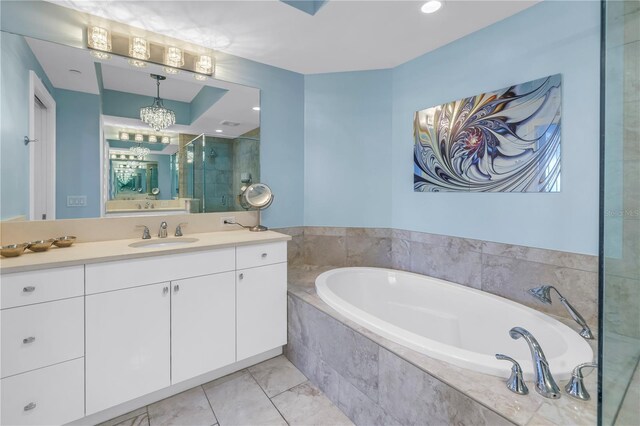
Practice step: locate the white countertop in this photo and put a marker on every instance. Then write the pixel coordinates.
(105, 251)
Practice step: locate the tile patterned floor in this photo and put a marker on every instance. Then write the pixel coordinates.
(273, 392)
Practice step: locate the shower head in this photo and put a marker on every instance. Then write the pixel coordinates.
(542, 293)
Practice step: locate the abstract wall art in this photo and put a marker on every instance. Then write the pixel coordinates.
(502, 141)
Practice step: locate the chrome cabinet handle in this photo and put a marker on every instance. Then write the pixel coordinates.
(241, 276)
(30, 406)
(30, 339)
(264, 255)
(176, 288)
(165, 290)
(28, 289)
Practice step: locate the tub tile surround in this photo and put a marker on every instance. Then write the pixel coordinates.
(464, 396)
(506, 270)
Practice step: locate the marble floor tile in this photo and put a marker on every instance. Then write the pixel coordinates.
(241, 401)
(137, 417)
(306, 405)
(190, 408)
(276, 375)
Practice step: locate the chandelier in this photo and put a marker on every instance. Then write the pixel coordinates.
(156, 115)
(140, 151)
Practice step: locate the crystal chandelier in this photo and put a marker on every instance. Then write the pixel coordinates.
(156, 115)
(140, 151)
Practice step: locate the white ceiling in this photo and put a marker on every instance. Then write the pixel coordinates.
(139, 82)
(235, 106)
(344, 35)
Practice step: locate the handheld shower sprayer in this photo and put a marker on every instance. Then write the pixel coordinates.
(543, 294)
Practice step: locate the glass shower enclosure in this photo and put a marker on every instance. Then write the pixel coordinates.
(619, 340)
(211, 171)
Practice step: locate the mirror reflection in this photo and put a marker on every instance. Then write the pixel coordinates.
(75, 133)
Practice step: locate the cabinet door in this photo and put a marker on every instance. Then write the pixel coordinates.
(203, 325)
(127, 345)
(261, 309)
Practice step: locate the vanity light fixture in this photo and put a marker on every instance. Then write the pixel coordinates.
(138, 137)
(165, 139)
(204, 64)
(431, 6)
(174, 57)
(146, 48)
(114, 156)
(99, 38)
(153, 138)
(139, 48)
(124, 136)
(156, 115)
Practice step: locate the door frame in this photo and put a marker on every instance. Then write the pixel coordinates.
(37, 88)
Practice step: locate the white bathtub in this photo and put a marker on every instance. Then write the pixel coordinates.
(453, 323)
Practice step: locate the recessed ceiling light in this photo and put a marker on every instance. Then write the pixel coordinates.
(218, 131)
(256, 108)
(431, 6)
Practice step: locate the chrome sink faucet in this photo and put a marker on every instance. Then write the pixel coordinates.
(545, 384)
(162, 232)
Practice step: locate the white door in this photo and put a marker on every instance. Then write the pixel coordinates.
(203, 325)
(127, 345)
(42, 151)
(261, 309)
(40, 164)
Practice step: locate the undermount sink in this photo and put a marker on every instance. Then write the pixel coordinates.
(169, 242)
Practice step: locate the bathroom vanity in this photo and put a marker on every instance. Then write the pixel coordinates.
(102, 324)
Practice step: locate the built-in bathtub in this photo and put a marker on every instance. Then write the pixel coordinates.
(453, 323)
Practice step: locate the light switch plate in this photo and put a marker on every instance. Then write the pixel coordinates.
(76, 201)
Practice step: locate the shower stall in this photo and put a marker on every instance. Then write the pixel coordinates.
(211, 171)
(619, 340)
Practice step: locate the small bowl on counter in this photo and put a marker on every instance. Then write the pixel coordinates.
(13, 250)
(65, 241)
(40, 245)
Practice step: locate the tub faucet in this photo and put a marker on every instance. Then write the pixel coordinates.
(543, 294)
(162, 232)
(545, 385)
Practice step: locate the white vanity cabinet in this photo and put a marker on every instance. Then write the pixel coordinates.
(42, 344)
(79, 340)
(127, 344)
(203, 318)
(261, 288)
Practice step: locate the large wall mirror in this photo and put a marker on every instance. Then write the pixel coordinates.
(74, 145)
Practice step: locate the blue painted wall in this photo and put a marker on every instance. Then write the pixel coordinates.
(77, 152)
(348, 149)
(549, 38)
(281, 133)
(16, 61)
(358, 147)
(164, 174)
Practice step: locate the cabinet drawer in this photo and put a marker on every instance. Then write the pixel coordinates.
(48, 396)
(260, 255)
(40, 335)
(26, 288)
(101, 277)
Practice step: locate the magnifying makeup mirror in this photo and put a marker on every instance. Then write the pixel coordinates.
(257, 196)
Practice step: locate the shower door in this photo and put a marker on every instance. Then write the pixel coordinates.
(619, 384)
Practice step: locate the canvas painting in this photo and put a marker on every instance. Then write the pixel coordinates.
(502, 141)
